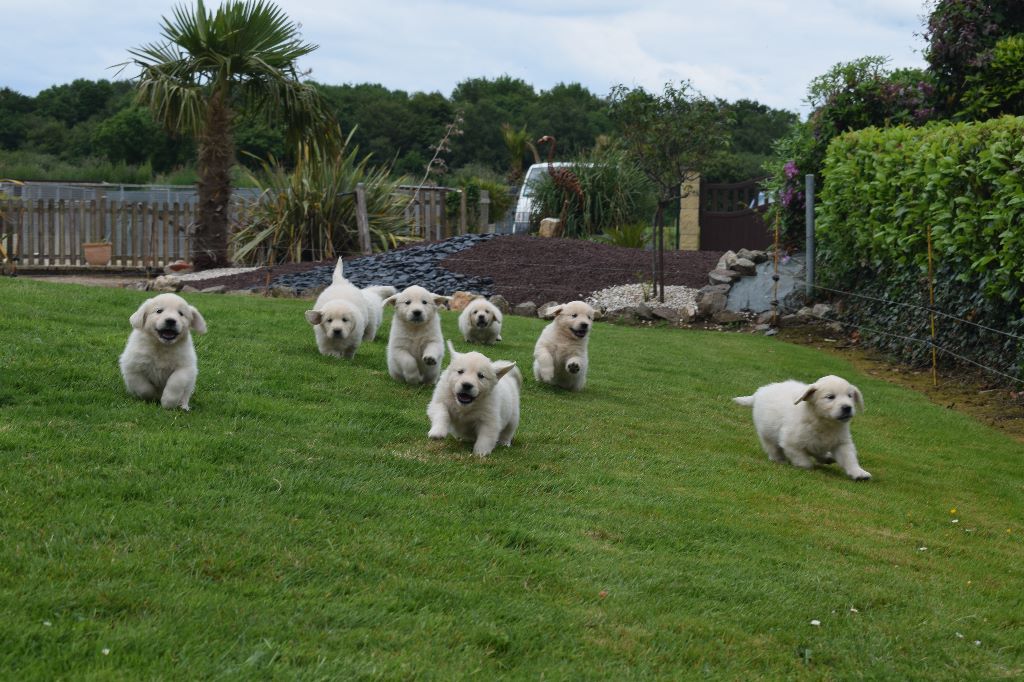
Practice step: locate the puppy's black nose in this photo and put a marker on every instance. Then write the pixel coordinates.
(584, 326)
(337, 332)
(417, 313)
(466, 386)
(846, 410)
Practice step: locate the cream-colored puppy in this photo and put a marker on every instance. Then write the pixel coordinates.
(344, 316)
(480, 322)
(159, 362)
(476, 400)
(415, 346)
(804, 424)
(560, 356)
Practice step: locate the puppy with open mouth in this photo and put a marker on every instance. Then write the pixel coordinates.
(415, 343)
(804, 424)
(159, 362)
(560, 357)
(476, 400)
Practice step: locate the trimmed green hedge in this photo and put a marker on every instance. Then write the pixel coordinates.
(884, 188)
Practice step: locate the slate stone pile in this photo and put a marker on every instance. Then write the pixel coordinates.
(419, 265)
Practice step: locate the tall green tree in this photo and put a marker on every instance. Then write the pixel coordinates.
(671, 138)
(213, 67)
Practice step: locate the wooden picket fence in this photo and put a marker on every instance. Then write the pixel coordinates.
(50, 234)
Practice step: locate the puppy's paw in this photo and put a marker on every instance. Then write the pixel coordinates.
(481, 452)
(437, 433)
(572, 367)
(429, 360)
(859, 475)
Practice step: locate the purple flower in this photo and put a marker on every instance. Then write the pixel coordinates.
(790, 169)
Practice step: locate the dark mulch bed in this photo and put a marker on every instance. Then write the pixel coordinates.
(539, 270)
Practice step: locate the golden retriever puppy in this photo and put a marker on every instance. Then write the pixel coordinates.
(560, 356)
(480, 322)
(476, 400)
(159, 362)
(415, 346)
(344, 316)
(804, 424)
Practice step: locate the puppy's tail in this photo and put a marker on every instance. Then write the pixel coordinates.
(745, 400)
(338, 275)
(382, 291)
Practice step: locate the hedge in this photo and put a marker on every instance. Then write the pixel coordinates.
(883, 189)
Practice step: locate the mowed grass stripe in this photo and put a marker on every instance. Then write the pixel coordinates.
(298, 522)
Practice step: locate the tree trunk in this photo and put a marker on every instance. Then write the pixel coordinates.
(216, 154)
(659, 226)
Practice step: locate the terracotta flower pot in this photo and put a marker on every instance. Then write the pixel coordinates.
(97, 253)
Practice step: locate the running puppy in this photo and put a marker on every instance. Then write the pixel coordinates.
(560, 356)
(159, 362)
(415, 346)
(476, 399)
(345, 316)
(804, 424)
(480, 322)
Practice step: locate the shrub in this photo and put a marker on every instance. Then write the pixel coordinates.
(886, 187)
(309, 213)
(615, 193)
(472, 180)
(999, 87)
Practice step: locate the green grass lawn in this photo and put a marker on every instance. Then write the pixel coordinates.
(299, 524)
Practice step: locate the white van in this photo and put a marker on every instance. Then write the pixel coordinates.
(524, 203)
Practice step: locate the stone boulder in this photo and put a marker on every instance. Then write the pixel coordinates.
(460, 299)
(726, 261)
(501, 304)
(178, 267)
(526, 309)
(745, 267)
(550, 227)
(718, 276)
(752, 255)
(710, 303)
(728, 317)
(166, 284)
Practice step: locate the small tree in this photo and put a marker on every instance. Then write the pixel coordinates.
(671, 137)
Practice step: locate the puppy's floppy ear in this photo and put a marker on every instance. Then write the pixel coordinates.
(138, 318)
(808, 394)
(441, 300)
(497, 314)
(858, 399)
(502, 367)
(197, 323)
(390, 300)
(554, 312)
(314, 317)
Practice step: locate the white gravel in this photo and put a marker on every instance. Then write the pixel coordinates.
(632, 295)
(215, 272)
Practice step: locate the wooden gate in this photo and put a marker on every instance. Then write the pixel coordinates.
(732, 216)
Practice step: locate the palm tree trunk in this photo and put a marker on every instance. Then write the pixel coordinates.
(216, 154)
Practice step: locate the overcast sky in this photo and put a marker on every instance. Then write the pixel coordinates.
(765, 50)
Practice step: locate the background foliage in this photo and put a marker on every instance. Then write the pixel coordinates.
(886, 187)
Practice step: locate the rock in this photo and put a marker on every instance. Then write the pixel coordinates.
(722, 276)
(765, 317)
(178, 267)
(460, 299)
(623, 316)
(752, 255)
(726, 261)
(219, 289)
(821, 310)
(137, 286)
(713, 288)
(166, 283)
(728, 317)
(501, 304)
(745, 267)
(805, 314)
(550, 227)
(789, 320)
(644, 312)
(711, 303)
(526, 309)
(762, 327)
(241, 292)
(282, 291)
(544, 310)
(673, 315)
(189, 289)
(835, 327)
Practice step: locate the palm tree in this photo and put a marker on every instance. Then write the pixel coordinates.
(213, 67)
(518, 141)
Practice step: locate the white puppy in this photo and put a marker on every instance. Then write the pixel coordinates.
(804, 423)
(344, 316)
(159, 362)
(560, 356)
(480, 322)
(415, 346)
(476, 399)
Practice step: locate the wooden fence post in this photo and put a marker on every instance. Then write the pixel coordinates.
(463, 211)
(363, 220)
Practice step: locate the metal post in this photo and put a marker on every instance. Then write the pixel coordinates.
(809, 246)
